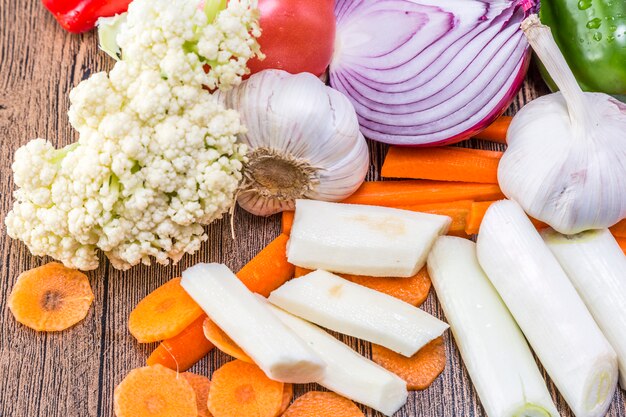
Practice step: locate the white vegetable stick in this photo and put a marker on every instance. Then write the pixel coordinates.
(493, 348)
(547, 308)
(596, 266)
(338, 304)
(362, 240)
(348, 373)
(281, 354)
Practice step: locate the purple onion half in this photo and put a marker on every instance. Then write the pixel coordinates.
(429, 72)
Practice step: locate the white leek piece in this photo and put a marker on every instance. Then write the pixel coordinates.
(596, 266)
(348, 373)
(493, 348)
(547, 308)
(362, 240)
(281, 354)
(338, 304)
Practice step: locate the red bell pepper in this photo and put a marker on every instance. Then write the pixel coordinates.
(78, 16)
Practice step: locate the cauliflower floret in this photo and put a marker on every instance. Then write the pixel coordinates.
(157, 158)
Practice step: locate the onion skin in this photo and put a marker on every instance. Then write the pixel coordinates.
(440, 74)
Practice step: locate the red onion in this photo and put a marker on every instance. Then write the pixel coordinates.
(424, 72)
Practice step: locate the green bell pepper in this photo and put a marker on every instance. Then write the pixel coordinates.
(592, 36)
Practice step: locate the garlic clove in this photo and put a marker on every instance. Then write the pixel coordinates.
(304, 141)
(565, 161)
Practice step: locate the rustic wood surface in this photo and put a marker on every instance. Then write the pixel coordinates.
(74, 373)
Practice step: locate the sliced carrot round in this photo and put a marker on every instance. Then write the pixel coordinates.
(420, 370)
(322, 404)
(223, 342)
(241, 389)
(163, 313)
(51, 297)
(413, 290)
(287, 397)
(154, 391)
(200, 385)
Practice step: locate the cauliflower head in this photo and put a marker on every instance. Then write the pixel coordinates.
(157, 156)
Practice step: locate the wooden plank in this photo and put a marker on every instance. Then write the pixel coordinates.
(75, 372)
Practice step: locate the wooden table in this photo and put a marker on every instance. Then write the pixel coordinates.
(73, 373)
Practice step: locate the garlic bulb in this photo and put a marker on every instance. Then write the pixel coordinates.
(304, 141)
(566, 159)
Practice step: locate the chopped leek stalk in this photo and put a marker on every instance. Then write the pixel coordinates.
(281, 354)
(338, 304)
(596, 266)
(492, 346)
(546, 306)
(362, 240)
(348, 373)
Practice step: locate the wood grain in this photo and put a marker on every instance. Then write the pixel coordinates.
(75, 372)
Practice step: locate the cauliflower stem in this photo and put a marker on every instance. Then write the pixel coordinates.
(157, 156)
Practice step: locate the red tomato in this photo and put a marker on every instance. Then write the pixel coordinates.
(298, 35)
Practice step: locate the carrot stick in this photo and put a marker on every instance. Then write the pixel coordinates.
(444, 164)
(417, 192)
(457, 210)
(420, 370)
(413, 290)
(241, 389)
(619, 230)
(477, 212)
(268, 270)
(182, 351)
(622, 243)
(496, 132)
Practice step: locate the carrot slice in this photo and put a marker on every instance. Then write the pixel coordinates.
(619, 230)
(50, 298)
(241, 389)
(200, 385)
(163, 313)
(416, 192)
(182, 351)
(413, 290)
(223, 342)
(420, 370)
(496, 132)
(458, 211)
(287, 397)
(622, 243)
(477, 212)
(318, 404)
(449, 163)
(154, 391)
(263, 274)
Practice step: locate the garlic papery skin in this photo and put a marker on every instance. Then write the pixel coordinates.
(304, 141)
(566, 158)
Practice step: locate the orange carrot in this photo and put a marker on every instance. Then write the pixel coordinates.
(267, 271)
(154, 391)
(50, 298)
(223, 342)
(287, 397)
(241, 389)
(447, 163)
(496, 132)
(458, 211)
(413, 290)
(318, 404)
(477, 212)
(182, 351)
(622, 243)
(417, 192)
(619, 230)
(201, 386)
(420, 370)
(163, 313)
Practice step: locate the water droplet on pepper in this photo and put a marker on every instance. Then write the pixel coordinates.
(584, 4)
(597, 36)
(594, 24)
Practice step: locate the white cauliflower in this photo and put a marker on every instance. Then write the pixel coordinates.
(157, 156)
